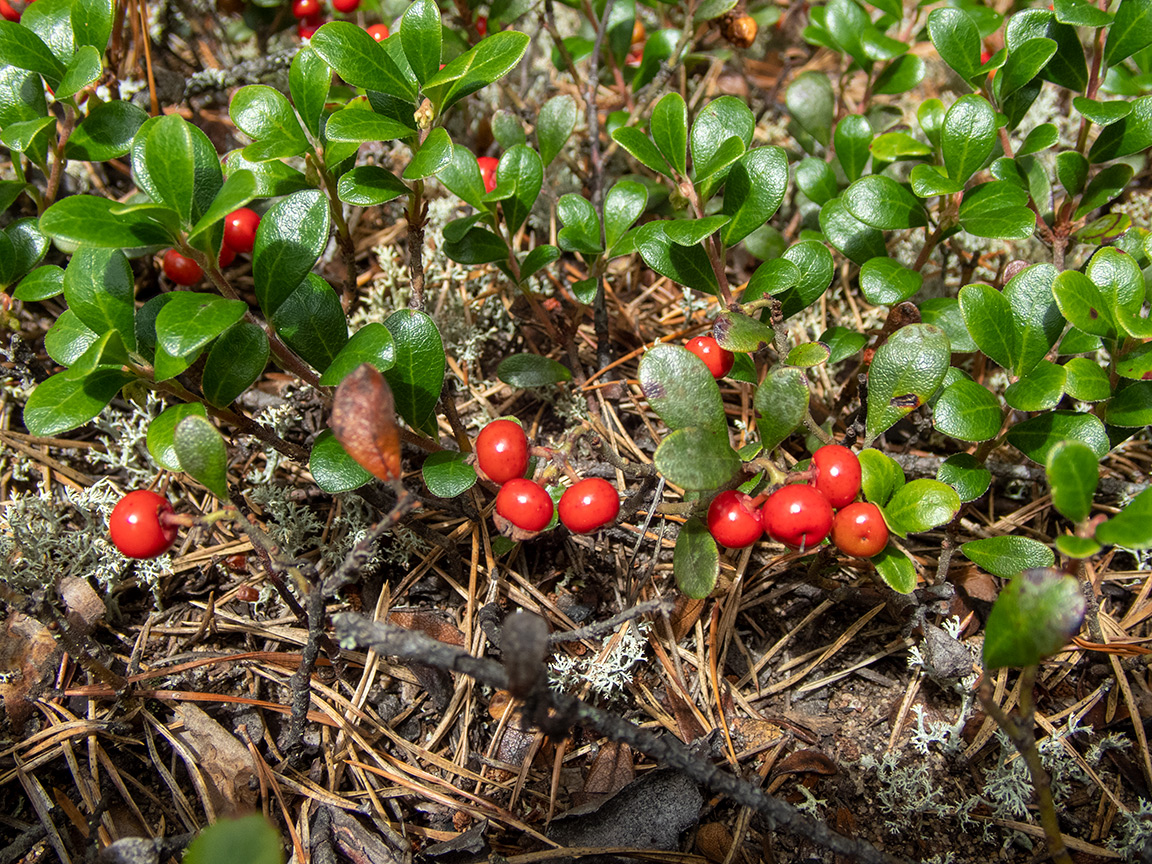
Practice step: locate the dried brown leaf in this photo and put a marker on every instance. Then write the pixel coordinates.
(805, 762)
(364, 422)
(611, 771)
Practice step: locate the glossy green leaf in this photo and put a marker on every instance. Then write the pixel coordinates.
(312, 322)
(477, 246)
(852, 139)
(68, 339)
(669, 129)
(291, 236)
(531, 370)
(190, 320)
(70, 399)
(886, 282)
(93, 220)
(697, 459)
(1084, 304)
(332, 468)
(581, 231)
(1102, 113)
(808, 354)
(249, 839)
(1067, 67)
(1125, 137)
(968, 135)
(25, 247)
(906, 371)
(360, 60)
(928, 181)
(273, 179)
(1086, 381)
(680, 389)
(100, 290)
(921, 505)
(537, 260)
(880, 476)
(963, 473)
(1081, 13)
(447, 475)
(1136, 363)
(1033, 618)
(21, 96)
(817, 180)
(741, 333)
(1040, 138)
(237, 191)
(754, 191)
(462, 177)
(202, 454)
(842, 343)
(998, 209)
(623, 205)
(369, 185)
(554, 126)
(1073, 472)
(1039, 389)
(896, 569)
(91, 22)
(23, 49)
(488, 61)
(417, 377)
(234, 363)
(900, 75)
(162, 430)
(688, 265)
(1007, 555)
(811, 104)
(695, 560)
(1131, 407)
(781, 403)
(518, 180)
(434, 155)
(420, 37)
(641, 148)
(1106, 185)
(170, 163)
(1131, 31)
(356, 124)
(957, 40)
(40, 284)
(1036, 436)
(264, 115)
(713, 127)
(857, 240)
(107, 351)
(84, 69)
(1024, 63)
(508, 129)
(815, 265)
(1072, 546)
(968, 411)
(309, 79)
(372, 343)
(1131, 527)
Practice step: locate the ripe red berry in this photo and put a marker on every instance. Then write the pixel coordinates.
(181, 270)
(588, 505)
(718, 360)
(859, 530)
(488, 166)
(379, 32)
(240, 229)
(227, 255)
(306, 8)
(482, 26)
(733, 521)
(837, 474)
(346, 6)
(136, 528)
(307, 27)
(797, 516)
(525, 504)
(8, 12)
(502, 450)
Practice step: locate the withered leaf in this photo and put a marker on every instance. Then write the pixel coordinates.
(805, 762)
(364, 422)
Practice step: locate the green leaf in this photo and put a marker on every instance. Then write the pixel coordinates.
(1067, 68)
(361, 60)
(1084, 304)
(968, 135)
(68, 339)
(356, 123)
(537, 260)
(714, 127)
(531, 370)
(249, 839)
(1130, 528)
(554, 126)
(1125, 137)
(901, 75)
(420, 36)
(886, 282)
(22, 48)
(477, 246)
(842, 343)
(1073, 472)
(92, 22)
(190, 320)
(107, 351)
(238, 190)
(581, 231)
(669, 129)
(1040, 138)
(781, 403)
(368, 185)
(518, 180)
(25, 248)
(1039, 389)
(273, 179)
(234, 363)
(905, 372)
(688, 265)
(462, 177)
(1107, 184)
(697, 459)
(1136, 363)
(52, 22)
(623, 205)
(100, 290)
(312, 322)
(921, 506)
(418, 374)
(1033, 618)
(1036, 436)
(309, 79)
(291, 236)
(811, 104)
(96, 221)
(40, 284)
(696, 560)
(372, 343)
(32, 138)
(808, 354)
(641, 148)
(963, 473)
(202, 454)
(1081, 13)
(21, 96)
(162, 431)
(817, 180)
(434, 155)
(332, 468)
(896, 569)
(1072, 546)
(264, 115)
(1102, 113)
(816, 268)
(880, 476)
(968, 411)
(70, 399)
(741, 333)
(1007, 555)
(1086, 381)
(855, 239)
(1131, 31)
(928, 181)
(944, 312)
(957, 40)
(754, 191)
(84, 69)
(680, 389)
(170, 164)
(852, 139)
(998, 209)
(1024, 63)
(488, 61)
(447, 475)
(1131, 406)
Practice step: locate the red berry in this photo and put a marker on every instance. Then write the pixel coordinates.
(379, 32)
(860, 530)
(718, 360)
(181, 270)
(837, 473)
(488, 166)
(525, 504)
(136, 528)
(307, 27)
(346, 6)
(588, 505)
(502, 450)
(306, 8)
(227, 255)
(733, 521)
(247, 594)
(797, 516)
(482, 26)
(8, 12)
(240, 229)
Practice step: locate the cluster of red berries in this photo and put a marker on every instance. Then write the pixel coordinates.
(239, 236)
(502, 456)
(800, 516)
(310, 15)
(139, 525)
